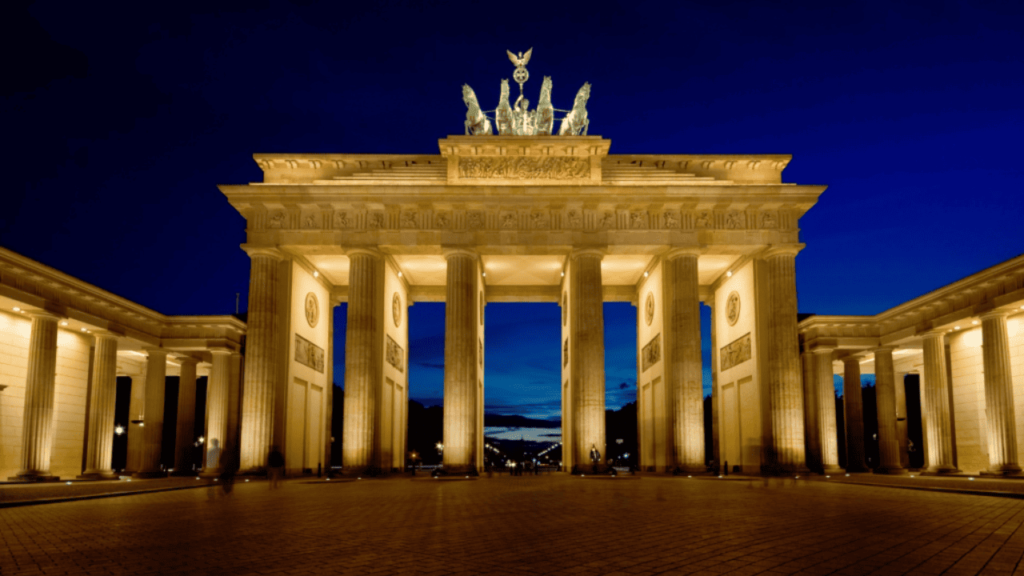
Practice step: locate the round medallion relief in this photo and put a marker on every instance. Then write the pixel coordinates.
(396, 309)
(312, 310)
(732, 308)
(649, 308)
(565, 307)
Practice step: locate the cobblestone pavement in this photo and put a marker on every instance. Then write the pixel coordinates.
(520, 525)
(56, 491)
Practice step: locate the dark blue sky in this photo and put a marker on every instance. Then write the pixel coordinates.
(119, 121)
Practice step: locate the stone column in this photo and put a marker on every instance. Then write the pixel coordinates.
(217, 412)
(785, 453)
(826, 397)
(812, 436)
(184, 437)
(261, 369)
(938, 429)
(103, 398)
(901, 419)
(460, 357)
(234, 410)
(885, 399)
(363, 343)
(153, 421)
(716, 455)
(37, 422)
(853, 414)
(1002, 422)
(682, 342)
(586, 354)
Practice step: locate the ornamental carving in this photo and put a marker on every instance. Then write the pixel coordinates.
(375, 221)
(638, 220)
(276, 220)
(343, 220)
(734, 220)
(309, 354)
(524, 168)
(732, 308)
(565, 307)
(540, 220)
(574, 219)
(703, 219)
(309, 221)
(671, 220)
(312, 310)
(410, 219)
(442, 220)
(395, 355)
(396, 309)
(509, 221)
(565, 353)
(649, 308)
(736, 352)
(651, 353)
(607, 221)
(768, 220)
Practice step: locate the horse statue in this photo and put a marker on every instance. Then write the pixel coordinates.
(503, 114)
(545, 114)
(476, 122)
(575, 122)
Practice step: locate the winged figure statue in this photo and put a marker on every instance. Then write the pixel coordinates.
(521, 60)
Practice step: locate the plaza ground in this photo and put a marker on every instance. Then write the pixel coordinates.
(520, 525)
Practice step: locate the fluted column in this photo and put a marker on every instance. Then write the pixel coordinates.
(261, 368)
(363, 342)
(938, 428)
(99, 448)
(37, 422)
(1002, 422)
(826, 397)
(812, 437)
(785, 393)
(234, 412)
(586, 342)
(853, 415)
(885, 400)
(185, 431)
(153, 429)
(716, 452)
(460, 360)
(682, 340)
(217, 412)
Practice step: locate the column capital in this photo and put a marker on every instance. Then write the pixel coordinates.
(680, 251)
(580, 252)
(451, 252)
(97, 334)
(152, 351)
(44, 315)
(822, 350)
(996, 313)
(220, 350)
(933, 334)
(268, 251)
(187, 359)
(883, 349)
(372, 252)
(782, 250)
(855, 360)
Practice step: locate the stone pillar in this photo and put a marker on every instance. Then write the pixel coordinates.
(1002, 422)
(901, 419)
(682, 342)
(938, 428)
(217, 412)
(234, 412)
(716, 451)
(261, 370)
(363, 344)
(103, 398)
(853, 414)
(184, 437)
(812, 436)
(785, 452)
(37, 423)
(885, 399)
(153, 421)
(586, 354)
(460, 358)
(826, 397)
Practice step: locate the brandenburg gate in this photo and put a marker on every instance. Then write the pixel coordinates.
(515, 211)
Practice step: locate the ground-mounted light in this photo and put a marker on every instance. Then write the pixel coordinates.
(118, 429)
(83, 329)
(956, 327)
(484, 274)
(16, 309)
(68, 483)
(728, 274)
(316, 274)
(399, 273)
(646, 274)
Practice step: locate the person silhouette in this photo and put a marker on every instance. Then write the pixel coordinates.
(595, 457)
(213, 455)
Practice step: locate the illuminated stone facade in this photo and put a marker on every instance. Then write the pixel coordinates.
(528, 219)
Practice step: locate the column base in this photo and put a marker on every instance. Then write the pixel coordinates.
(832, 469)
(97, 475)
(1008, 473)
(30, 477)
(941, 471)
(891, 470)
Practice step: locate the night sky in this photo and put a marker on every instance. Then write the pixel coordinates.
(119, 121)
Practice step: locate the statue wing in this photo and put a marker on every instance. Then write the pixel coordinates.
(526, 57)
(513, 57)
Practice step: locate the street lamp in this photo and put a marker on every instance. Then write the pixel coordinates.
(118, 430)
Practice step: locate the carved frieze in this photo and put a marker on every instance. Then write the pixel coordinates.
(309, 354)
(540, 220)
(638, 220)
(651, 353)
(768, 220)
(475, 220)
(442, 220)
(607, 221)
(565, 353)
(736, 352)
(524, 168)
(395, 355)
(410, 219)
(344, 220)
(374, 220)
(671, 219)
(704, 219)
(574, 219)
(735, 220)
(509, 220)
